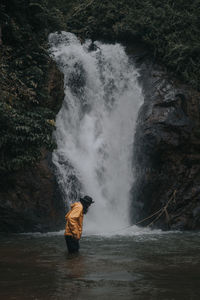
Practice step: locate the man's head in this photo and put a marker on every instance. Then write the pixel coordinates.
(86, 201)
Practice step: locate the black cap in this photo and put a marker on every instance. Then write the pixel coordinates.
(87, 199)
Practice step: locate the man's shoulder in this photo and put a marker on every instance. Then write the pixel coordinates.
(77, 205)
(77, 208)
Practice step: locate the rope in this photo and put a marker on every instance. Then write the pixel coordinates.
(148, 217)
(158, 212)
(164, 210)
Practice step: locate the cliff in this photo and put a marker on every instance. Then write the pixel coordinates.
(166, 152)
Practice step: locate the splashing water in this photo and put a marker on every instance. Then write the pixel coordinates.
(95, 128)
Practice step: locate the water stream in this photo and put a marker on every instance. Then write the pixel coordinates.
(95, 127)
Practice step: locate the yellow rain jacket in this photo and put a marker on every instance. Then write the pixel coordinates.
(74, 220)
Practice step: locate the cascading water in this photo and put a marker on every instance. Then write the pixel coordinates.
(95, 128)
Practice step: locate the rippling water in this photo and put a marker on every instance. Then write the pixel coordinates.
(142, 266)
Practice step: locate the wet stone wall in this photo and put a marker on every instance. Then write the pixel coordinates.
(167, 151)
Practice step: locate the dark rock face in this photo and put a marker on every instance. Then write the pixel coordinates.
(32, 202)
(167, 152)
(55, 88)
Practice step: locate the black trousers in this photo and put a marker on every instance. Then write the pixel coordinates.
(72, 244)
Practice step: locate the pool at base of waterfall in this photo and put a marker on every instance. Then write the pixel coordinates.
(141, 266)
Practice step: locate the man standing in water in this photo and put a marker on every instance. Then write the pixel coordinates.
(74, 225)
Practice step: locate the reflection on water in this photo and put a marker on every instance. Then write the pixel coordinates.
(156, 266)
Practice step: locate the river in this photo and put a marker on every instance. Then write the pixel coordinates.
(137, 264)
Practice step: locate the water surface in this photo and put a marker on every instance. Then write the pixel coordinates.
(141, 266)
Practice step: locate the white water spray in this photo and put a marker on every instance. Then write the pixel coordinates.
(95, 128)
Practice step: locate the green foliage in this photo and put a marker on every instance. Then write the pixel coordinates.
(65, 6)
(26, 123)
(169, 28)
(22, 133)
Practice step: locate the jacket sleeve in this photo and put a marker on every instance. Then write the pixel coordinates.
(73, 219)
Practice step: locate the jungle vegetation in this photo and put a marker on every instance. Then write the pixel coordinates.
(26, 116)
(170, 29)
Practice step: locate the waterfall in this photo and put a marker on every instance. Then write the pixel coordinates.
(95, 128)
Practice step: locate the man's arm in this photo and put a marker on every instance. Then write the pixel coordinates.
(73, 221)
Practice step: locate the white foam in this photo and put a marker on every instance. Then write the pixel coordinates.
(131, 231)
(95, 128)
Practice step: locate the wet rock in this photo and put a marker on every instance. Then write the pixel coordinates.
(166, 152)
(54, 86)
(32, 201)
